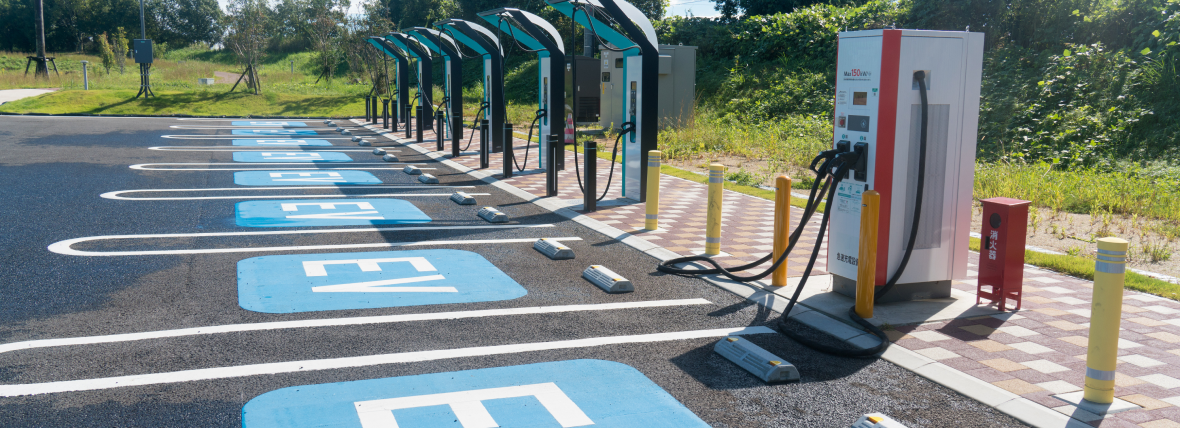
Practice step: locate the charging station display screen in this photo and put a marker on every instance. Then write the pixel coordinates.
(860, 98)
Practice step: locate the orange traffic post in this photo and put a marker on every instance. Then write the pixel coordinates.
(866, 263)
(782, 227)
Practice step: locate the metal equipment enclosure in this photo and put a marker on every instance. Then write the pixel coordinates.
(582, 90)
(677, 94)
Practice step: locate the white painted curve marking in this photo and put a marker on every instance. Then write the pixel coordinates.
(115, 195)
(64, 247)
(362, 361)
(341, 322)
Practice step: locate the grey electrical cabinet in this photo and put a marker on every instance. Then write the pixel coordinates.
(677, 86)
(582, 92)
(141, 50)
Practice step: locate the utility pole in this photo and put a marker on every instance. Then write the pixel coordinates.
(142, 25)
(42, 70)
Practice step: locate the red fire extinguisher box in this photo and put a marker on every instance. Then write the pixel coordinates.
(1001, 250)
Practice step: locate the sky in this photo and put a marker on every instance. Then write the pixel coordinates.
(677, 8)
(694, 7)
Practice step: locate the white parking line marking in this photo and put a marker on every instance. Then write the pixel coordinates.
(339, 165)
(260, 148)
(64, 247)
(301, 128)
(236, 137)
(363, 361)
(116, 194)
(338, 322)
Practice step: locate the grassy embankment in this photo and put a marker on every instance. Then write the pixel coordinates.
(174, 81)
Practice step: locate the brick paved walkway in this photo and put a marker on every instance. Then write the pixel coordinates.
(1036, 353)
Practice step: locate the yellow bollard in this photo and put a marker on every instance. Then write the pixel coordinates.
(782, 227)
(653, 190)
(866, 261)
(713, 219)
(1106, 312)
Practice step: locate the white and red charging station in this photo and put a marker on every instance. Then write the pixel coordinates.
(878, 108)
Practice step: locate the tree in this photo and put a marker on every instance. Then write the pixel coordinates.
(249, 24)
(730, 9)
(363, 57)
(184, 22)
(105, 53)
(326, 33)
(120, 47)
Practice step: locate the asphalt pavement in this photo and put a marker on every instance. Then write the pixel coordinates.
(176, 305)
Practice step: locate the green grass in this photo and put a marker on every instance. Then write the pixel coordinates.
(1131, 190)
(787, 143)
(199, 103)
(174, 81)
(1082, 267)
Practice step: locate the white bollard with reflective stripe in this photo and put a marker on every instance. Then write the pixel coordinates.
(1106, 312)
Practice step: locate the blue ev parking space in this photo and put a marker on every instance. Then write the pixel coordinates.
(272, 273)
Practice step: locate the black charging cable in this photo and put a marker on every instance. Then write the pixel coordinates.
(475, 123)
(627, 128)
(529, 142)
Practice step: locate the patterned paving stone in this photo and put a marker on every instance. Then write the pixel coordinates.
(1035, 353)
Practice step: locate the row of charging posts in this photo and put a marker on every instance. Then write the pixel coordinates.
(573, 392)
(617, 24)
(640, 67)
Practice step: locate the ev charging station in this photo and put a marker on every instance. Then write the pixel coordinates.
(424, 73)
(879, 111)
(641, 68)
(487, 45)
(452, 103)
(541, 37)
(402, 79)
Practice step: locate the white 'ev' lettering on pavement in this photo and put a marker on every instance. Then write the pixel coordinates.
(295, 155)
(282, 142)
(328, 176)
(354, 215)
(317, 268)
(469, 409)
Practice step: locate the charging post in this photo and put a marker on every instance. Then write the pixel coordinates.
(424, 73)
(538, 35)
(487, 45)
(637, 41)
(915, 144)
(397, 111)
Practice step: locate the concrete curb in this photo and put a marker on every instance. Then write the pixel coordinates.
(1006, 402)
